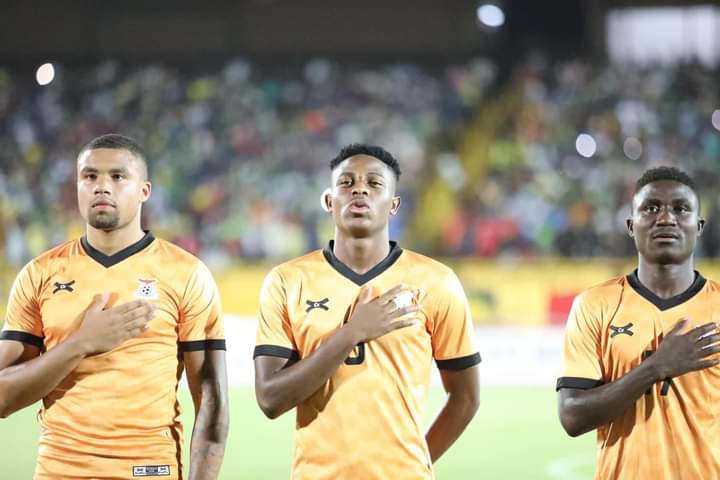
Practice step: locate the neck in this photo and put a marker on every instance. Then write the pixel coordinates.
(665, 280)
(111, 242)
(361, 254)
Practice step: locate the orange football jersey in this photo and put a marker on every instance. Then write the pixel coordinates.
(116, 415)
(672, 432)
(366, 421)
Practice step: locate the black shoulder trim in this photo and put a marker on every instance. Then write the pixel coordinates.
(577, 382)
(23, 337)
(276, 351)
(666, 303)
(459, 363)
(358, 279)
(108, 261)
(198, 345)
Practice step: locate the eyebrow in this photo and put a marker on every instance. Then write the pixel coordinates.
(111, 171)
(672, 200)
(369, 173)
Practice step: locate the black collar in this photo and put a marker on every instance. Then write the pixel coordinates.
(347, 272)
(666, 303)
(108, 261)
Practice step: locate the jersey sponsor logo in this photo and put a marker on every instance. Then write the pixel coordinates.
(625, 329)
(312, 304)
(151, 471)
(64, 287)
(147, 289)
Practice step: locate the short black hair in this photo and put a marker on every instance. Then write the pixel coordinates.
(665, 173)
(370, 150)
(118, 142)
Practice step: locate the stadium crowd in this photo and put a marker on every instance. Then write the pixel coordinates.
(539, 195)
(240, 155)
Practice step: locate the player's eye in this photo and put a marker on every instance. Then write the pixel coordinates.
(651, 208)
(682, 209)
(118, 176)
(345, 182)
(375, 183)
(90, 176)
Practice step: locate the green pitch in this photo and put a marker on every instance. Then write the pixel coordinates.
(515, 436)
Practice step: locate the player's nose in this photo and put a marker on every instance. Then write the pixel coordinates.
(666, 217)
(102, 186)
(360, 190)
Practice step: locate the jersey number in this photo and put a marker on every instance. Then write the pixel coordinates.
(359, 348)
(667, 383)
(359, 358)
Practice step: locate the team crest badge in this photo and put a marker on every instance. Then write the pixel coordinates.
(147, 289)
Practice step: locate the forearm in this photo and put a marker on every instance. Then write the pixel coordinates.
(286, 388)
(24, 384)
(586, 410)
(207, 447)
(452, 420)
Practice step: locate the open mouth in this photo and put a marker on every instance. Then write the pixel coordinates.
(359, 207)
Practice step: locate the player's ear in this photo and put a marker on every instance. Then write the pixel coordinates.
(395, 205)
(701, 226)
(145, 191)
(326, 200)
(629, 225)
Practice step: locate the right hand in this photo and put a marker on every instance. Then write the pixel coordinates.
(374, 318)
(102, 330)
(680, 353)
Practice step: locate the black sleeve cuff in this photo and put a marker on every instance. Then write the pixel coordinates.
(23, 337)
(577, 382)
(276, 351)
(459, 363)
(198, 345)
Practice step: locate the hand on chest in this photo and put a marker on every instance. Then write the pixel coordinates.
(68, 294)
(317, 313)
(636, 331)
